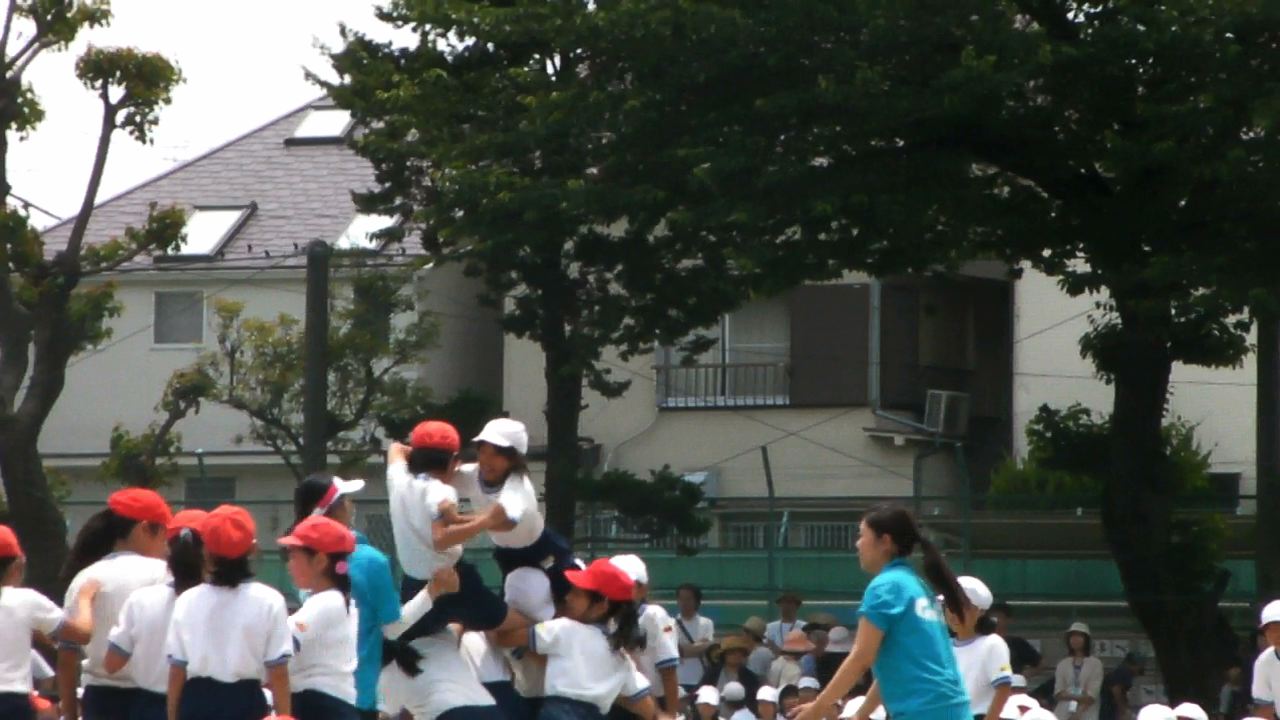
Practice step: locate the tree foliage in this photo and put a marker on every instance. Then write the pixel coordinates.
(662, 507)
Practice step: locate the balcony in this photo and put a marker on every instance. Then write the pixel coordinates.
(723, 385)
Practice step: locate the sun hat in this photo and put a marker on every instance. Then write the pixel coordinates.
(505, 432)
(755, 627)
(735, 643)
(839, 640)
(1079, 627)
(797, 642)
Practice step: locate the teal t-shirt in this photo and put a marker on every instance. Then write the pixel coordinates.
(916, 666)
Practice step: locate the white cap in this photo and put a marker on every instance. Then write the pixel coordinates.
(1023, 702)
(852, 707)
(1156, 711)
(767, 694)
(1010, 712)
(1039, 714)
(1191, 710)
(733, 692)
(707, 695)
(1270, 613)
(633, 566)
(505, 432)
(977, 591)
(1018, 681)
(809, 683)
(528, 591)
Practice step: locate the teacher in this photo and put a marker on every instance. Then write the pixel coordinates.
(901, 634)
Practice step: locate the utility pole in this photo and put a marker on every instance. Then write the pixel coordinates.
(1267, 453)
(770, 529)
(315, 361)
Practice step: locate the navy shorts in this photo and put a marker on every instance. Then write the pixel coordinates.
(16, 706)
(207, 699)
(472, 712)
(315, 705)
(562, 708)
(101, 702)
(550, 553)
(474, 606)
(149, 705)
(510, 703)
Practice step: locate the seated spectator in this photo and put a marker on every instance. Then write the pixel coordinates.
(767, 703)
(786, 669)
(733, 702)
(731, 666)
(1116, 686)
(761, 656)
(707, 703)
(809, 663)
(788, 699)
(839, 645)
(809, 689)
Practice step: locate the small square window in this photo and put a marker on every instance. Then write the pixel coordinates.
(179, 317)
(208, 230)
(207, 493)
(361, 234)
(322, 125)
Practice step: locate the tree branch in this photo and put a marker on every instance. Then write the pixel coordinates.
(1051, 16)
(76, 240)
(53, 348)
(8, 27)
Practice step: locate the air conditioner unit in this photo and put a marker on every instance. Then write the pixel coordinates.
(947, 413)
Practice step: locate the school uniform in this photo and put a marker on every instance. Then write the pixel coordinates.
(660, 650)
(916, 666)
(489, 664)
(22, 612)
(139, 635)
(693, 631)
(225, 638)
(322, 669)
(984, 666)
(110, 696)
(585, 676)
(1266, 678)
(445, 689)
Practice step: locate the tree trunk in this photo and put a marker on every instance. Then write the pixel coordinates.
(1267, 539)
(1181, 620)
(33, 512)
(564, 408)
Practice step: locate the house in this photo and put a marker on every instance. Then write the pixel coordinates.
(254, 204)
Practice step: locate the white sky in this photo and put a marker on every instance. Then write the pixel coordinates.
(243, 61)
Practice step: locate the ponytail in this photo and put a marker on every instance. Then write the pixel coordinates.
(186, 560)
(901, 526)
(625, 617)
(97, 539)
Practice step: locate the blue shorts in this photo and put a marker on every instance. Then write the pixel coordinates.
(207, 699)
(315, 705)
(550, 553)
(16, 706)
(101, 702)
(472, 712)
(474, 606)
(563, 708)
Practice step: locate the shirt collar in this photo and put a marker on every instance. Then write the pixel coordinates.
(897, 562)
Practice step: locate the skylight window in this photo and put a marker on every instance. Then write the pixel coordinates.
(359, 235)
(322, 125)
(209, 229)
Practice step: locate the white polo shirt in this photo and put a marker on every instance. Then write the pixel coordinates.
(582, 666)
(485, 660)
(415, 504)
(528, 672)
(983, 662)
(120, 574)
(229, 634)
(700, 629)
(518, 500)
(660, 648)
(445, 683)
(324, 646)
(22, 612)
(139, 634)
(777, 631)
(1266, 677)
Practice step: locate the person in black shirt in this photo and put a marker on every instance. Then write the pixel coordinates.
(1115, 689)
(1022, 655)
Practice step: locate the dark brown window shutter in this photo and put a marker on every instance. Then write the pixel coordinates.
(829, 344)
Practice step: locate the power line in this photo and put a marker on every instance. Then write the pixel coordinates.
(30, 205)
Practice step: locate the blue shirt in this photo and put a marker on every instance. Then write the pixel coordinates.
(378, 601)
(916, 666)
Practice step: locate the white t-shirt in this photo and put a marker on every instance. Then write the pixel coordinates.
(660, 649)
(446, 681)
(582, 666)
(743, 714)
(140, 633)
(22, 612)
(518, 500)
(784, 671)
(701, 629)
(120, 574)
(1266, 677)
(983, 662)
(40, 670)
(528, 672)
(777, 631)
(415, 504)
(324, 646)
(485, 660)
(229, 634)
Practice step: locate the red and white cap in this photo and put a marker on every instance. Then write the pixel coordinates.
(140, 504)
(228, 532)
(603, 577)
(633, 566)
(337, 488)
(9, 546)
(321, 534)
(436, 435)
(186, 520)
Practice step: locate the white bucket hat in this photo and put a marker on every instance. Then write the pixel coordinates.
(505, 432)
(734, 692)
(977, 592)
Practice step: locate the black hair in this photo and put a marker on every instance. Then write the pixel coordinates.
(97, 539)
(341, 581)
(787, 691)
(513, 456)
(186, 560)
(5, 564)
(429, 461)
(901, 527)
(986, 624)
(624, 617)
(308, 494)
(1088, 644)
(697, 592)
(735, 705)
(1003, 608)
(230, 572)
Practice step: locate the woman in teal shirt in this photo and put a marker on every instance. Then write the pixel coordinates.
(902, 636)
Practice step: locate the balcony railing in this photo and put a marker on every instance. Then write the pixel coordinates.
(723, 385)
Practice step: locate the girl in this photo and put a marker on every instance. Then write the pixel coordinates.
(983, 656)
(1078, 677)
(322, 671)
(24, 612)
(226, 631)
(137, 640)
(588, 666)
(123, 548)
(900, 630)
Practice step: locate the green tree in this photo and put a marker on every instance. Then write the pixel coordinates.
(51, 306)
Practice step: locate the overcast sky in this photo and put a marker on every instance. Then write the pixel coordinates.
(243, 61)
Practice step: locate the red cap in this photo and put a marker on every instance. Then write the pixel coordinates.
(140, 504)
(186, 520)
(40, 704)
(9, 546)
(228, 531)
(321, 534)
(436, 435)
(605, 578)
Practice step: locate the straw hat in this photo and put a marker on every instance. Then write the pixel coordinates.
(755, 626)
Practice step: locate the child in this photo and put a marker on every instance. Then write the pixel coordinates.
(24, 612)
(137, 640)
(734, 702)
(767, 702)
(706, 702)
(1266, 669)
(788, 700)
(786, 669)
(982, 656)
(809, 688)
(659, 657)
(228, 632)
(121, 547)
(489, 665)
(588, 667)
(322, 671)
(528, 592)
